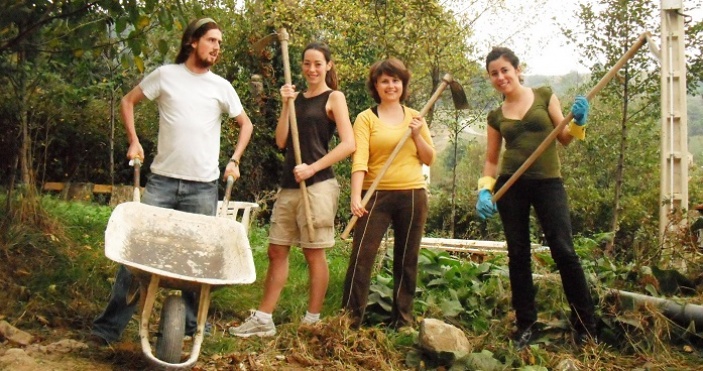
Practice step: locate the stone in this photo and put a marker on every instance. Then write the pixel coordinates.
(15, 335)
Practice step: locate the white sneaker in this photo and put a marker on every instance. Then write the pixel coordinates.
(309, 322)
(253, 326)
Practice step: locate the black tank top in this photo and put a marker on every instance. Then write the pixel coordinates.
(315, 130)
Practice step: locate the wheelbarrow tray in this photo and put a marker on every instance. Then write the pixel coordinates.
(182, 247)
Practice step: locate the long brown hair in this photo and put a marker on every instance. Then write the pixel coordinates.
(195, 30)
(331, 77)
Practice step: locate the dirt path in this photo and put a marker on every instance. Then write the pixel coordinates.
(61, 355)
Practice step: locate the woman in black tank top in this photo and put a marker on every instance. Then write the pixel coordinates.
(320, 110)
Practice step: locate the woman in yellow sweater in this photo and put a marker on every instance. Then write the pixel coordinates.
(400, 198)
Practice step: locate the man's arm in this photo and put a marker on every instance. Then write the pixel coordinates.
(127, 110)
(246, 128)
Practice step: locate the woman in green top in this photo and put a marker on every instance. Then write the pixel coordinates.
(524, 119)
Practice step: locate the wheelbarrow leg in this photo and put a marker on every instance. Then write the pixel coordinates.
(203, 307)
(147, 304)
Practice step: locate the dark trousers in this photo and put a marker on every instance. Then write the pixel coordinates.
(406, 211)
(548, 197)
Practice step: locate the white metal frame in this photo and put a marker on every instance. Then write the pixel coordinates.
(674, 126)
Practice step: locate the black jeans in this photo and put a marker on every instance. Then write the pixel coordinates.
(548, 197)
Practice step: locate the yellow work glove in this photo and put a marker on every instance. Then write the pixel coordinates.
(486, 182)
(577, 131)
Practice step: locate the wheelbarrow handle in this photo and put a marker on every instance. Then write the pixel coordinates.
(228, 193)
(137, 163)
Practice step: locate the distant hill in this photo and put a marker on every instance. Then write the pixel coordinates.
(561, 84)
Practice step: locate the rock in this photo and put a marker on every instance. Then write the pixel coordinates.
(442, 343)
(437, 336)
(60, 347)
(14, 335)
(17, 360)
(567, 365)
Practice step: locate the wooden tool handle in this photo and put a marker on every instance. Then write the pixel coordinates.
(283, 38)
(228, 194)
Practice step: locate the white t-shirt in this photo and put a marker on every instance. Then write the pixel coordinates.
(191, 107)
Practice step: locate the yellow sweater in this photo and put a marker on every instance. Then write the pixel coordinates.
(375, 141)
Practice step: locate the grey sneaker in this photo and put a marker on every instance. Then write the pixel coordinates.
(253, 327)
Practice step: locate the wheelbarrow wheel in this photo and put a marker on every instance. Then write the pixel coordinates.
(172, 329)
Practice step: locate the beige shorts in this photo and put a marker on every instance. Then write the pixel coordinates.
(288, 223)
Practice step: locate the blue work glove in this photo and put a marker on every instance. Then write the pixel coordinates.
(580, 110)
(484, 205)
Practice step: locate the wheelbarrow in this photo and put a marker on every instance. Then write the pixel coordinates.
(180, 251)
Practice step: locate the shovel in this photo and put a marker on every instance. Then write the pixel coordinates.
(282, 36)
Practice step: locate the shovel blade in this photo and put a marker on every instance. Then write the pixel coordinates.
(259, 46)
(458, 95)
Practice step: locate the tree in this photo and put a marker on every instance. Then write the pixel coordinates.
(482, 100)
(37, 37)
(607, 30)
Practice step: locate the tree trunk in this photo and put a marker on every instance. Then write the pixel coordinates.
(456, 134)
(435, 83)
(614, 225)
(26, 144)
(112, 135)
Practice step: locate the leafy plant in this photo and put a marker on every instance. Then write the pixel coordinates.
(461, 291)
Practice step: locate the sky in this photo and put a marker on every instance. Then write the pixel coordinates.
(542, 47)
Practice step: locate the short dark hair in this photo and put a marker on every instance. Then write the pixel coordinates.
(391, 67)
(501, 51)
(195, 30)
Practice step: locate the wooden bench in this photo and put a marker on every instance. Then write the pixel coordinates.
(85, 191)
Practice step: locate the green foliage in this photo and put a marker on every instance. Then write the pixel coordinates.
(72, 87)
(461, 291)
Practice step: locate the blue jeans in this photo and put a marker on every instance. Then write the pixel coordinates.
(548, 197)
(171, 193)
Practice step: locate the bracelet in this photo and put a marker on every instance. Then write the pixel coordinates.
(236, 162)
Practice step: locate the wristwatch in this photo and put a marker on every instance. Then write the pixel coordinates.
(236, 162)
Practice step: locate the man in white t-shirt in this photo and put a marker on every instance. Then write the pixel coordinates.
(191, 101)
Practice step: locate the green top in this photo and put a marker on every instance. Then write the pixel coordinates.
(523, 136)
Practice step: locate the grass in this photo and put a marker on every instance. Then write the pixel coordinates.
(234, 302)
(56, 279)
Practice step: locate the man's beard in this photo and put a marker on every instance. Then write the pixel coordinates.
(203, 63)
